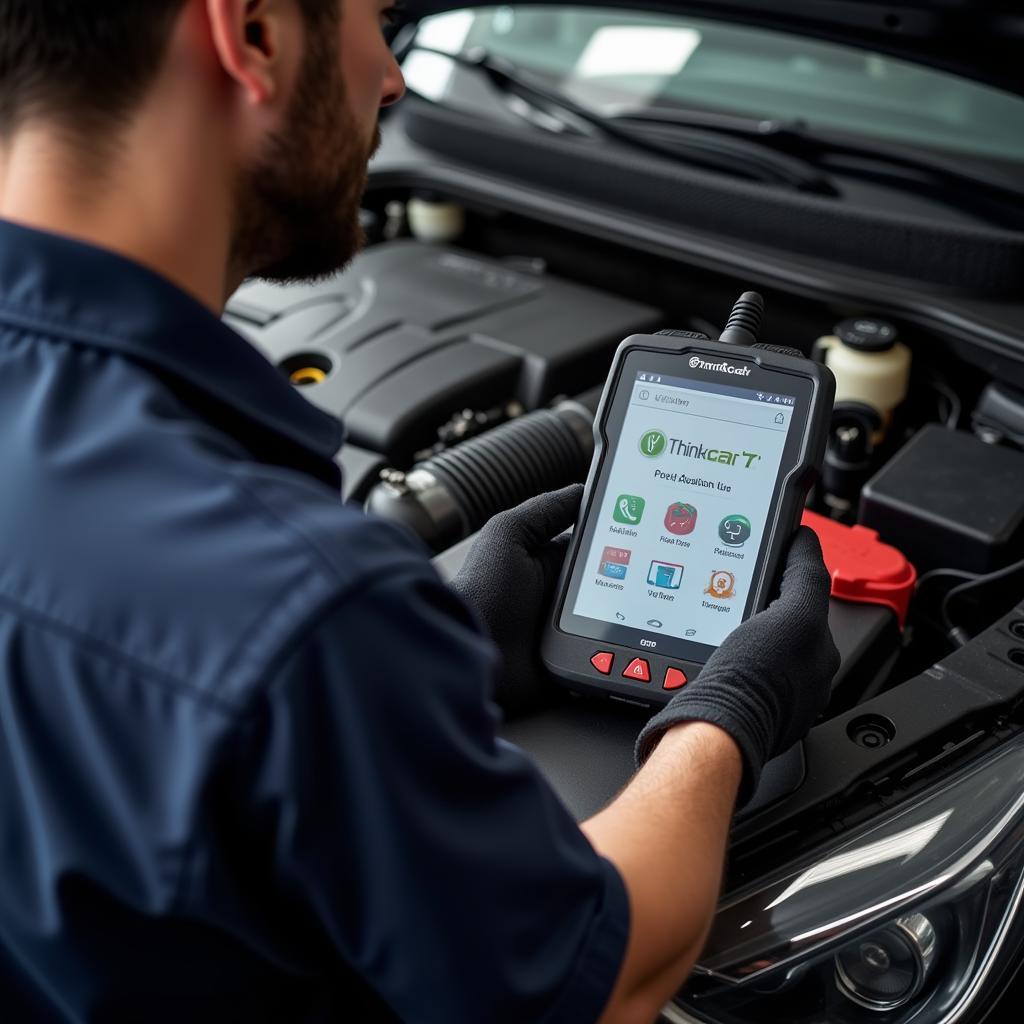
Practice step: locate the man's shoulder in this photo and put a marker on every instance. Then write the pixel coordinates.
(137, 524)
(185, 559)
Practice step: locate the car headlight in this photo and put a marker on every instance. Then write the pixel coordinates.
(886, 969)
(914, 917)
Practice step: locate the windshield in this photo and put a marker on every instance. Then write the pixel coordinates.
(622, 62)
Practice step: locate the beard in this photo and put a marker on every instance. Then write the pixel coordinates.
(298, 206)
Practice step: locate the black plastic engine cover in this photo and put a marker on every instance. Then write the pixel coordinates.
(412, 333)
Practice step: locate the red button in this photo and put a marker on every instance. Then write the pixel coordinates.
(674, 678)
(639, 670)
(602, 661)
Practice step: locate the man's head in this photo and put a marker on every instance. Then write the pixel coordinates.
(291, 88)
(298, 200)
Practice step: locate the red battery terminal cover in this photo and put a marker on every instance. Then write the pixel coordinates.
(862, 567)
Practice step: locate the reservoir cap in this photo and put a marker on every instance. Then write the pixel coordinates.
(867, 334)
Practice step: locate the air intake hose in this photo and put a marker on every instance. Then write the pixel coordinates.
(451, 495)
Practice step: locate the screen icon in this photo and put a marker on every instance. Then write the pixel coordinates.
(629, 509)
(653, 443)
(656, 623)
(722, 585)
(614, 563)
(734, 530)
(680, 518)
(666, 575)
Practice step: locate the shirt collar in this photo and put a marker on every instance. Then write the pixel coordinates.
(63, 287)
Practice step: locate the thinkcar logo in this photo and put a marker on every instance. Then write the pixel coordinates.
(652, 443)
(696, 363)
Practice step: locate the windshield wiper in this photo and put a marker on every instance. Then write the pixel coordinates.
(796, 138)
(711, 149)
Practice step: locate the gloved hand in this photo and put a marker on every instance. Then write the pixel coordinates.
(509, 577)
(770, 679)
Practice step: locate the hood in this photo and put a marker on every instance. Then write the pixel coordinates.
(978, 39)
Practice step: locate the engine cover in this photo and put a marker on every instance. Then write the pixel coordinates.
(413, 333)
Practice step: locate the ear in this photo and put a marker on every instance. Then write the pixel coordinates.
(248, 38)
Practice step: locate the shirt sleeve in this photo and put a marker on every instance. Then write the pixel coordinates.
(438, 862)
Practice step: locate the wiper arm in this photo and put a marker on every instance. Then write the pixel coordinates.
(553, 111)
(950, 175)
(797, 139)
(762, 129)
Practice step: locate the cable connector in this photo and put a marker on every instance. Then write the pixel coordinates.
(745, 320)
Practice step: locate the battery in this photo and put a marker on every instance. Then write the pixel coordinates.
(872, 584)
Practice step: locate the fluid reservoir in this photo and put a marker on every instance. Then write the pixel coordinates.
(435, 220)
(870, 364)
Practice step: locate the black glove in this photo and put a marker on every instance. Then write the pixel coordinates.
(770, 679)
(508, 578)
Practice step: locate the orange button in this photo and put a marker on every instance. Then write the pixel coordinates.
(602, 661)
(639, 670)
(674, 678)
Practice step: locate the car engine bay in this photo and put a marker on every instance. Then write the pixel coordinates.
(466, 347)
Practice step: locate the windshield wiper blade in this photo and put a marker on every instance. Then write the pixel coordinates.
(546, 108)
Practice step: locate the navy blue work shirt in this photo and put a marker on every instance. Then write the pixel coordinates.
(248, 765)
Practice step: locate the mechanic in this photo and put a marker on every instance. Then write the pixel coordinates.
(248, 758)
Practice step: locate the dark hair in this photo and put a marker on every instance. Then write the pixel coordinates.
(87, 62)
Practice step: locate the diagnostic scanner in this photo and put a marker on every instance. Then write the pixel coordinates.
(704, 454)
